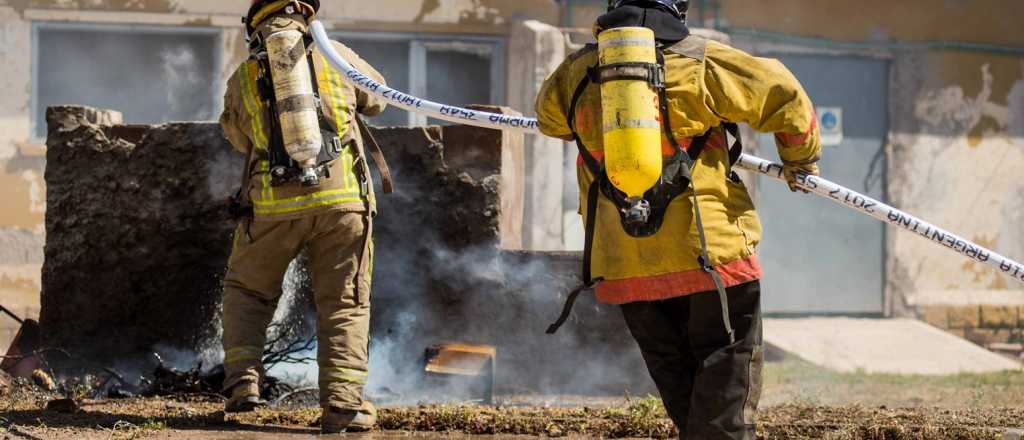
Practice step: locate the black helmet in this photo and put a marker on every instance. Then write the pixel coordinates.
(258, 7)
(677, 8)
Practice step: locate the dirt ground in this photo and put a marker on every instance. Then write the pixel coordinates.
(801, 402)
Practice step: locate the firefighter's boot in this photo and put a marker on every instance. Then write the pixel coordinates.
(245, 397)
(336, 420)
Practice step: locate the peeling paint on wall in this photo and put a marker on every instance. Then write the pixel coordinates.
(947, 111)
(109, 5)
(458, 11)
(956, 169)
(1015, 118)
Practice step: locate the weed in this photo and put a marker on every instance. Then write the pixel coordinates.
(123, 430)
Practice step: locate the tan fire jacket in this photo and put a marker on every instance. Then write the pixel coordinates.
(708, 84)
(246, 124)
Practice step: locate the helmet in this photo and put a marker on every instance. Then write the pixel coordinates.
(261, 9)
(677, 8)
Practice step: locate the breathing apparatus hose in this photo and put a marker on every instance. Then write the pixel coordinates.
(814, 184)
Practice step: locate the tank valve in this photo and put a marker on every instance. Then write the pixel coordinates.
(309, 177)
(638, 213)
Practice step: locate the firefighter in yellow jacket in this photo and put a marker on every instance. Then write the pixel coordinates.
(307, 187)
(686, 277)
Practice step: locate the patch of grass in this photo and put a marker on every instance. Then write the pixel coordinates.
(123, 430)
(796, 381)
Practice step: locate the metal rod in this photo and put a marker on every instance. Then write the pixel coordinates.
(12, 315)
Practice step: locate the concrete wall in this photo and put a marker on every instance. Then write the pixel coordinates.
(545, 48)
(957, 142)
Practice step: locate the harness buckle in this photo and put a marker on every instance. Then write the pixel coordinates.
(658, 76)
(705, 265)
(361, 170)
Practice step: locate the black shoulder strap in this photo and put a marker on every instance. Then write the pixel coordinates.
(592, 163)
(736, 150)
(588, 251)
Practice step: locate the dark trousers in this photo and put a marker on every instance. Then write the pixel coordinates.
(710, 387)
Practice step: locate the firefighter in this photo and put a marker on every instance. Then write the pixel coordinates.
(306, 186)
(685, 274)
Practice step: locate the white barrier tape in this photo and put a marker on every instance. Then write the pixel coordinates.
(417, 105)
(888, 214)
(833, 191)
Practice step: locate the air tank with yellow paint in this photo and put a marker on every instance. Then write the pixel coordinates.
(630, 113)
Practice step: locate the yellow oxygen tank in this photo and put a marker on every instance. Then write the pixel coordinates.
(631, 117)
(296, 104)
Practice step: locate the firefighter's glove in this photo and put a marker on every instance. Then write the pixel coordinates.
(792, 173)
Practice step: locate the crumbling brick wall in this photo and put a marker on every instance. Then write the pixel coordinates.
(137, 240)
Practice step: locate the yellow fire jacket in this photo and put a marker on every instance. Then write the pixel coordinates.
(246, 124)
(708, 83)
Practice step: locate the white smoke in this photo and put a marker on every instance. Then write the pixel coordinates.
(181, 78)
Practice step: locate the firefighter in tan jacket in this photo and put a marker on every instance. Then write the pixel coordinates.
(330, 217)
(693, 309)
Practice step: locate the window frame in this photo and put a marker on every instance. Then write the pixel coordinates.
(118, 28)
(418, 42)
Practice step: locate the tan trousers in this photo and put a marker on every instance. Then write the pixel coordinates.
(340, 251)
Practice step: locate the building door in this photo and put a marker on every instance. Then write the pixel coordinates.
(819, 257)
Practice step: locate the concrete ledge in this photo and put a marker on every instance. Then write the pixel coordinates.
(966, 298)
(884, 346)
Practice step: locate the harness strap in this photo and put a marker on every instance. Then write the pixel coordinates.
(316, 83)
(653, 74)
(706, 266)
(589, 283)
(276, 153)
(570, 302)
(589, 159)
(689, 159)
(387, 181)
(735, 151)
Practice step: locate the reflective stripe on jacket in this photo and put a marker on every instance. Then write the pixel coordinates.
(708, 84)
(246, 122)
